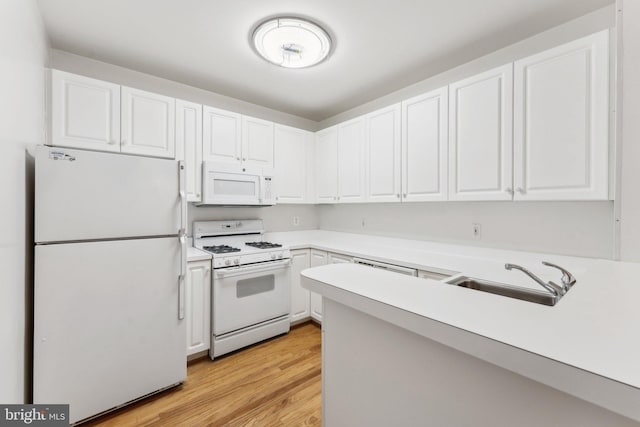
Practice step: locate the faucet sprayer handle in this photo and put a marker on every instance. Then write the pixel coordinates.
(568, 280)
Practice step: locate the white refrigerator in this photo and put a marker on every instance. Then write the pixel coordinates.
(110, 261)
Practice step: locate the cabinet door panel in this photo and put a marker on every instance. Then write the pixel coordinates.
(561, 122)
(480, 136)
(291, 152)
(85, 113)
(351, 161)
(383, 163)
(317, 258)
(300, 299)
(198, 305)
(221, 135)
(257, 142)
(424, 147)
(148, 123)
(189, 145)
(327, 165)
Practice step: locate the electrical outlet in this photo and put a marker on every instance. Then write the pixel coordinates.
(296, 221)
(477, 231)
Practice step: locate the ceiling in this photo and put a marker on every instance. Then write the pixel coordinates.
(380, 45)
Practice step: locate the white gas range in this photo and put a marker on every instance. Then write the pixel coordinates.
(250, 283)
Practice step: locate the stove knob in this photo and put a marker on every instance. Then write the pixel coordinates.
(280, 255)
(273, 256)
(227, 262)
(236, 261)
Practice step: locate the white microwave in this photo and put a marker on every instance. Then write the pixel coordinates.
(226, 184)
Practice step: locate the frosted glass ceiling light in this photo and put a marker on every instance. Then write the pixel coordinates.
(291, 42)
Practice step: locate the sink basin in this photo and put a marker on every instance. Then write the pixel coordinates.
(539, 297)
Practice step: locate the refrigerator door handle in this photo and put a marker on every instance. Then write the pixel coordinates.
(183, 198)
(182, 277)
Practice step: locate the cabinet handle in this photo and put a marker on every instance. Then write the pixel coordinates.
(237, 158)
(244, 159)
(509, 190)
(398, 195)
(520, 190)
(404, 195)
(124, 141)
(112, 141)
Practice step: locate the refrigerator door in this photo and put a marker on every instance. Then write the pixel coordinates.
(86, 195)
(106, 326)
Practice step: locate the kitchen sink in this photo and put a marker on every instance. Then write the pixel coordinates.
(505, 290)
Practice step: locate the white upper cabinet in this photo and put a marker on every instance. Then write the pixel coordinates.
(148, 123)
(221, 135)
(257, 142)
(424, 147)
(189, 145)
(292, 154)
(327, 165)
(85, 113)
(561, 116)
(351, 157)
(383, 155)
(480, 136)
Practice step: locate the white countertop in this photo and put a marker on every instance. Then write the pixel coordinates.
(594, 328)
(194, 254)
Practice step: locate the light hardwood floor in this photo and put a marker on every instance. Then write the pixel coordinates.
(275, 383)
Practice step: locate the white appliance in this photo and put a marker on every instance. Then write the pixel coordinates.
(389, 267)
(250, 295)
(227, 184)
(110, 260)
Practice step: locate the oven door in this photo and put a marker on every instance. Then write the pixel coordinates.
(248, 295)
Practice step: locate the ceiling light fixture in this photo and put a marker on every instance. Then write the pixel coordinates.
(291, 42)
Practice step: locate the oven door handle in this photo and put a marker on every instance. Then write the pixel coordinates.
(236, 271)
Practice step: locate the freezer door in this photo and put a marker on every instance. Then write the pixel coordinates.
(86, 195)
(106, 323)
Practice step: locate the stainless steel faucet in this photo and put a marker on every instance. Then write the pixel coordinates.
(555, 289)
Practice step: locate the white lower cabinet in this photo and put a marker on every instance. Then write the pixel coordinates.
(300, 301)
(317, 258)
(198, 306)
(338, 258)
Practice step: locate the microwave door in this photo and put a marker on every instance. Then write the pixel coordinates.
(232, 189)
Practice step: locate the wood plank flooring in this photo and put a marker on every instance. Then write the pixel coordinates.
(275, 383)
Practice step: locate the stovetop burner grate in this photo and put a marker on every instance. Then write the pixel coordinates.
(263, 245)
(220, 249)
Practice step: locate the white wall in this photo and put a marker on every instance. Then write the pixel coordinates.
(23, 55)
(124, 76)
(276, 218)
(568, 228)
(630, 191)
(574, 228)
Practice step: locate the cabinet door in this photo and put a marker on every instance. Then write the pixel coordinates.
(198, 306)
(480, 136)
(85, 113)
(291, 147)
(327, 165)
(257, 142)
(148, 123)
(300, 300)
(189, 145)
(317, 258)
(383, 158)
(221, 135)
(351, 161)
(561, 146)
(424, 147)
